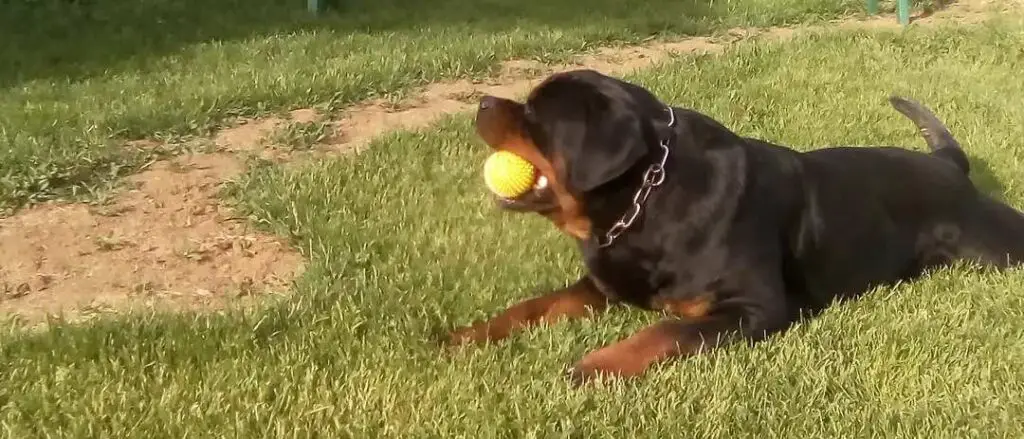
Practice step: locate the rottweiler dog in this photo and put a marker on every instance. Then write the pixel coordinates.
(732, 237)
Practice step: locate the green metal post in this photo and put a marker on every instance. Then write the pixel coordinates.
(903, 11)
(315, 6)
(872, 7)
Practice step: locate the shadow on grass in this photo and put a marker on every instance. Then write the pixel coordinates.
(985, 179)
(75, 39)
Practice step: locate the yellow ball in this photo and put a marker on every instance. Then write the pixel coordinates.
(508, 175)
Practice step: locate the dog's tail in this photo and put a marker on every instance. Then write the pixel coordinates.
(938, 137)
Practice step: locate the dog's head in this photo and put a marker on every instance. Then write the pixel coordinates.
(582, 130)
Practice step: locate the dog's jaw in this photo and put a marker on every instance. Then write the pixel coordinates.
(538, 199)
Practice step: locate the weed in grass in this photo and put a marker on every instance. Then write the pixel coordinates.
(300, 136)
(110, 243)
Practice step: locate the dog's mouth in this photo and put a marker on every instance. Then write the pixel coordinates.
(538, 199)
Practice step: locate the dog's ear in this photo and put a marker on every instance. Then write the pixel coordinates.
(613, 143)
(594, 127)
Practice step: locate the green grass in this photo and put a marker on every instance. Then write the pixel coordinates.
(403, 245)
(79, 77)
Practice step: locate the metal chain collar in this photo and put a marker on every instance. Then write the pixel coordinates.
(653, 177)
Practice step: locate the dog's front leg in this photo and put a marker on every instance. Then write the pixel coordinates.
(580, 299)
(662, 341)
(665, 340)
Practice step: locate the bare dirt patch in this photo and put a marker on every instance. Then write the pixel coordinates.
(166, 241)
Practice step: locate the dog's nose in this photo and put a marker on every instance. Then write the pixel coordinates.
(488, 102)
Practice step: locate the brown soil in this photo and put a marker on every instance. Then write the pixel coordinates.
(167, 242)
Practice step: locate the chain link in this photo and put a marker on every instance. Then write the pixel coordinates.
(654, 176)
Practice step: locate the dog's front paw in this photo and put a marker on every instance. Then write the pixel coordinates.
(462, 336)
(580, 375)
(605, 363)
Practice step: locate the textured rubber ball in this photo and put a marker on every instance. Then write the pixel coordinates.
(508, 175)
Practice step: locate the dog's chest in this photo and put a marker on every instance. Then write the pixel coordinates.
(648, 280)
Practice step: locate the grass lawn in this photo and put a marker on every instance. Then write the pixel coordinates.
(403, 245)
(78, 78)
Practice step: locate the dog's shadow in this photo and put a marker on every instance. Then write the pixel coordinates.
(985, 180)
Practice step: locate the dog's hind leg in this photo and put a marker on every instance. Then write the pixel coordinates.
(993, 234)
